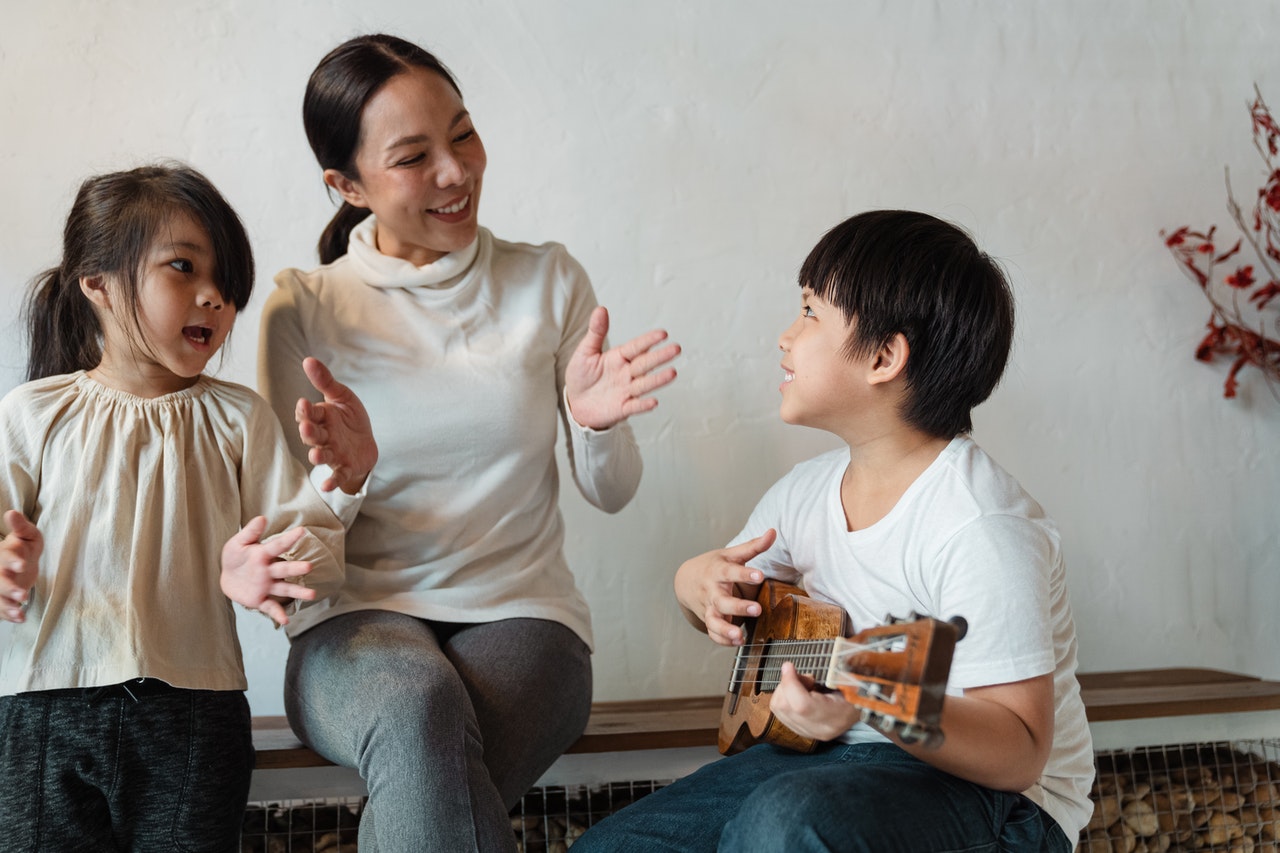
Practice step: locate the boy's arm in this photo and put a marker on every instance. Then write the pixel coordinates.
(997, 736)
(709, 586)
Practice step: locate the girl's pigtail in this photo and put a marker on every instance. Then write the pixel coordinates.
(336, 236)
(62, 328)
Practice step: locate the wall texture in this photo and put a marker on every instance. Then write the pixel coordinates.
(689, 155)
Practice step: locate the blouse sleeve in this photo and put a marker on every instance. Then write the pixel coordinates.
(275, 485)
(605, 464)
(20, 452)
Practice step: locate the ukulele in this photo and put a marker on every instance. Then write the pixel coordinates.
(896, 673)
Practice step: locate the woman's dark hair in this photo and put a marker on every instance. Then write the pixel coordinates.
(344, 81)
(891, 271)
(114, 222)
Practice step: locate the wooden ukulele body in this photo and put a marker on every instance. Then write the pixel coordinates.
(895, 673)
(785, 613)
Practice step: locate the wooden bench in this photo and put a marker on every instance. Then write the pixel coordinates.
(673, 723)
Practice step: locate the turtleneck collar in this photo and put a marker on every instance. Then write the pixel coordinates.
(379, 270)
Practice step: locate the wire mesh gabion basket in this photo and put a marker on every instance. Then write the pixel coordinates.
(1222, 796)
(546, 820)
(1190, 797)
(301, 826)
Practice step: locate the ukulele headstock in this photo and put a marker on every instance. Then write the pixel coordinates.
(897, 674)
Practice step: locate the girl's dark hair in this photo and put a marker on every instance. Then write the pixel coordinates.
(891, 271)
(114, 222)
(344, 81)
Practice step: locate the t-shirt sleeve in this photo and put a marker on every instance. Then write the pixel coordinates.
(995, 572)
(771, 512)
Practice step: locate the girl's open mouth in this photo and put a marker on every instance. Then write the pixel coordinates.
(198, 335)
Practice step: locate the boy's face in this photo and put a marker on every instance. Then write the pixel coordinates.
(820, 386)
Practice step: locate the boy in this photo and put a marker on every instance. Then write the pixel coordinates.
(904, 327)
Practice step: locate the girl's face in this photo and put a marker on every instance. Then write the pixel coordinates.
(420, 165)
(182, 319)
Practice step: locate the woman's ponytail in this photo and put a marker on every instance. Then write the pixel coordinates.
(337, 234)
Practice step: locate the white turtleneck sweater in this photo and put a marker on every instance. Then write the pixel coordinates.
(461, 366)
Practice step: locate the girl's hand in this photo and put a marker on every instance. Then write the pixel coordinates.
(254, 575)
(809, 712)
(338, 430)
(19, 563)
(607, 387)
(707, 588)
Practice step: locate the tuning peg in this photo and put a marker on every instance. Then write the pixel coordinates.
(908, 733)
(933, 739)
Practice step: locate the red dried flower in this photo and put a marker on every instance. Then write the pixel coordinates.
(1231, 333)
(1241, 279)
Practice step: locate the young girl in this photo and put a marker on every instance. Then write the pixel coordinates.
(139, 493)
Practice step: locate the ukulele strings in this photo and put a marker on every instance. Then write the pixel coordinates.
(810, 657)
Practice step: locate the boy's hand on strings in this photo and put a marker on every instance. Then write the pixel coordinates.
(808, 711)
(19, 563)
(605, 387)
(253, 574)
(337, 430)
(708, 588)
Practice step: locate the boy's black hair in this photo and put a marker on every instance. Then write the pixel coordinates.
(891, 271)
(113, 223)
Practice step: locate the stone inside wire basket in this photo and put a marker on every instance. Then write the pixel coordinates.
(1197, 797)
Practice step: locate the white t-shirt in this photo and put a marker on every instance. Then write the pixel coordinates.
(964, 540)
(461, 365)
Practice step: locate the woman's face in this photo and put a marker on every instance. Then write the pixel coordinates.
(419, 167)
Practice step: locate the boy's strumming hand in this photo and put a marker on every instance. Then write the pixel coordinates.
(19, 563)
(605, 387)
(337, 430)
(708, 588)
(807, 711)
(253, 574)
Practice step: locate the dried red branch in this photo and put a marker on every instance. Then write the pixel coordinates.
(1242, 338)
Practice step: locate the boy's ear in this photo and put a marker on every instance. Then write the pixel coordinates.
(94, 287)
(890, 360)
(345, 187)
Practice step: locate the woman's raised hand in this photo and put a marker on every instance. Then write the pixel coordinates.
(337, 430)
(605, 387)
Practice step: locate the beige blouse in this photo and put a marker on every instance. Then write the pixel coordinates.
(136, 498)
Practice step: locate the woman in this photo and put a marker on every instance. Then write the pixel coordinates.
(454, 666)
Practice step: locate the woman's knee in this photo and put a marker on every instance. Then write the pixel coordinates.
(381, 675)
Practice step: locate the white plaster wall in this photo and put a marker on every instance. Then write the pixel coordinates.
(689, 154)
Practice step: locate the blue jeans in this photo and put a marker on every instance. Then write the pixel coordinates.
(140, 767)
(449, 725)
(868, 798)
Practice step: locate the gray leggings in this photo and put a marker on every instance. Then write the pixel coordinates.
(448, 724)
